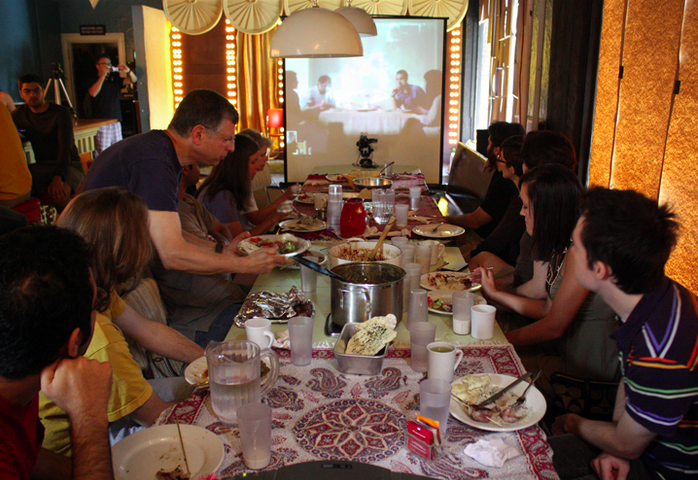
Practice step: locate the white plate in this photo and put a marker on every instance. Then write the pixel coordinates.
(535, 402)
(447, 296)
(424, 281)
(193, 374)
(305, 198)
(292, 226)
(445, 231)
(247, 246)
(335, 178)
(141, 455)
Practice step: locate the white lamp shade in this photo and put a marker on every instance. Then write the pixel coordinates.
(362, 21)
(316, 32)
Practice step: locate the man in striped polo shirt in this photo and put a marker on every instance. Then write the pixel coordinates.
(621, 244)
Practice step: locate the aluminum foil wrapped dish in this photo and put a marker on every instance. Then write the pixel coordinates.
(275, 306)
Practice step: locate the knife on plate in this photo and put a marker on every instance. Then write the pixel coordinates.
(504, 390)
(181, 443)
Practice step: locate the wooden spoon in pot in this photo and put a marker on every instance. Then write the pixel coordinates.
(388, 226)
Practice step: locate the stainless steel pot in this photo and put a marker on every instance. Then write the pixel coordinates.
(372, 289)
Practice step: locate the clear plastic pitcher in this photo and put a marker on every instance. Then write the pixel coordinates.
(234, 370)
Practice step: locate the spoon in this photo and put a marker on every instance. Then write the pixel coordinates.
(384, 168)
(388, 226)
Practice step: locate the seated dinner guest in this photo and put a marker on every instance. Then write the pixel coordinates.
(573, 333)
(202, 131)
(201, 307)
(620, 244)
(115, 222)
(16, 180)
(57, 173)
(227, 192)
(500, 191)
(46, 317)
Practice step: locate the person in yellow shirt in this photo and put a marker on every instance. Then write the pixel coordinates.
(16, 180)
(115, 222)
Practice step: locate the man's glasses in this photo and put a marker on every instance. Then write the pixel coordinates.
(226, 140)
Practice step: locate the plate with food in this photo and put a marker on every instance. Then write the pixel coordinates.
(155, 452)
(453, 281)
(303, 224)
(305, 198)
(335, 178)
(287, 245)
(435, 230)
(441, 301)
(498, 416)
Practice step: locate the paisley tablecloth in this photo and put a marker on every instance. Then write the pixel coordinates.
(320, 414)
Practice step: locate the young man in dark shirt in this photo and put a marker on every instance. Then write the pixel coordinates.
(49, 127)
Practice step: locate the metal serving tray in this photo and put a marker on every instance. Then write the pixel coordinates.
(356, 364)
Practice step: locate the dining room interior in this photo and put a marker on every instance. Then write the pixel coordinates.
(619, 79)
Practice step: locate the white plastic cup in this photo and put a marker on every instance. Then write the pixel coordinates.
(444, 358)
(421, 335)
(399, 241)
(412, 279)
(417, 310)
(309, 277)
(435, 400)
(414, 273)
(415, 198)
(254, 420)
(482, 321)
(407, 254)
(462, 303)
(320, 200)
(300, 333)
(401, 212)
(422, 256)
(258, 330)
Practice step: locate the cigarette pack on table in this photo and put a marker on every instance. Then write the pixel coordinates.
(421, 440)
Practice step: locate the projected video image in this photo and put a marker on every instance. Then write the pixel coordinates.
(393, 95)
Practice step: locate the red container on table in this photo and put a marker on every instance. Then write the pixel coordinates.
(352, 223)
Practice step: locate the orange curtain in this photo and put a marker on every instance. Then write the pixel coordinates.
(644, 124)
(257, 84)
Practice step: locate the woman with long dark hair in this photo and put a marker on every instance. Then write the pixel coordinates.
(575, 321)
(227, 192)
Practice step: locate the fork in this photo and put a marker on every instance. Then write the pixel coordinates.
(433, 230)
(520, 401)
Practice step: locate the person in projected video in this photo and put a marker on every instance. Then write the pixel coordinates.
(320, 97)
(406, 96)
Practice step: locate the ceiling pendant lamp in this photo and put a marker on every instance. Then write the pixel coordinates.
(362, 21)
(315, 33)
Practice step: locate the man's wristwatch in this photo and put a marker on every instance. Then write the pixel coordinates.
(219, 247)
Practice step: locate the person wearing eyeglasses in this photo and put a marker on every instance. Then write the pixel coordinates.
(481, 222)
(150, 164)
(102, 100)
(57, 173)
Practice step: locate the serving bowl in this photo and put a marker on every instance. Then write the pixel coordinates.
(355, 251)
(373, 182)
(354, 174)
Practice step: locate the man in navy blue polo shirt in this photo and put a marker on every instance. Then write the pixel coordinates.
(622, 243)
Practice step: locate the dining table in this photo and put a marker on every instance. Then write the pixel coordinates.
(321, 413)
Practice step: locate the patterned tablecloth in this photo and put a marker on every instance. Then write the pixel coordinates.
(321, 414)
